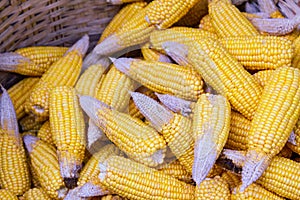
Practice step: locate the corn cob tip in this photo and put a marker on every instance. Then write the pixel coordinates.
(8, 116)
(112, 42)
(91, 106)
(91, 190)
(176, 51)
(70, 183)
(81, 46)
(205, 155)
(254, 166)
(152, 110)
(94, 134)
(92, 58)
(103, 170)
(292, 138)
(73, 194)
(123, 64)
(30, 141)
(175, 104)
(237, 157)
(10, 61)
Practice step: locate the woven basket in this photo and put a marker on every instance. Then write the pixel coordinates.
(50, 22)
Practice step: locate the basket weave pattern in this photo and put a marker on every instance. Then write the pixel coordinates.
(51, 22)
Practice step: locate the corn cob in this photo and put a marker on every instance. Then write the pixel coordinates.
(136, 139)
(114, 89)
(141, 181)
(86, 84)
(215, 188)
(278, 178)
(68, 131)
(173, 79)
(29, 123)
(215, 171)
(262, 77)
(117, 2)
(272, 125)
(296, 58)
(125, 14)
(7, 195)
(8, 118)
(176, 170)
(14, 173)
(152, 55)
(260, 52)
(254, 191)
(239, 129)
(211, 122)
(232, 179)
(194, 15)
(164, 13)
(176, 105)
(31, 61)
(276, 26)
(175, 128)
(134, 32)
(64, 72)
(19, 93)
(218, 68)
(45, 162)
(91, 168)
(206, 24)
(45, 133)
(221, 12)
(36, 194)
(34, 176)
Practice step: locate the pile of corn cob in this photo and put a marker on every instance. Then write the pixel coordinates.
(209, 109)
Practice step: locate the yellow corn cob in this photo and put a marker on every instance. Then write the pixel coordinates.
(164, 13)
(211, 123)
(20, 92)
(31, 61)
(286, 152)
(296, 58)
(194, 15)
(176, 170)
(228, 21)
(206, 24)
(172, 79)
(36, 194)
(215, 188)
(64, 72)
(254, 191)
(7, 195)
(44, 162)
(117, 2)
(136, 139)
(86, 84)
(34, 176)
(14, 173)
(91, 169)
(135, 31)
(152, 55)
(273, 122)
(263, 76)
(279, 177)
(218, 68)
(114, 89)
(125, 14)
(68, 131)
(141, 181)
(29, 123)
(232, 179)
(45, 133)
(239, 129)
(175, 128)
(260, 52)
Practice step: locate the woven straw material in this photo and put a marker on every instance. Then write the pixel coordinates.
(51, 22)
